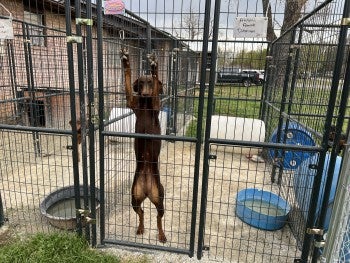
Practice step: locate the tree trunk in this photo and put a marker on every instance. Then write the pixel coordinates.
(292, 13)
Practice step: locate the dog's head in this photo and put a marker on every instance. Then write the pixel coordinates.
(144, 86)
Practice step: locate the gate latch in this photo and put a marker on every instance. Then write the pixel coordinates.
(314, 231)
(86, 216)
(74, 39)
(319, 244)
(212, 157)
(84, 21)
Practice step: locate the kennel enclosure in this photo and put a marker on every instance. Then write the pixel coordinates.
(63, 65)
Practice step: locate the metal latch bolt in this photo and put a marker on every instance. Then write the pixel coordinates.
(74, 39)
(314, 231)
(84, 21)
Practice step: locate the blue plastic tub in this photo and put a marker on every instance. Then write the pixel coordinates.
(303, 182)
(295, 135)
(262, 209)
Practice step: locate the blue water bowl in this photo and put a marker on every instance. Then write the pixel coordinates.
(294, 134)
(262, 209)
(303, 183)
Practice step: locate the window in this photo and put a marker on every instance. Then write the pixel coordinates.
(36, 29)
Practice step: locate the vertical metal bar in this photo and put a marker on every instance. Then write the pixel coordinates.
(331, 105)
(73, 115)
(149, 39)
(101, 117)
(175, 85)
(208, 125)
(82, 108)
(2, 214)
(341, 196)
(335, 148)
(12, 68)
(91, 113)
(31, 88)
(262, 112)
(282, 109)
(199, 133)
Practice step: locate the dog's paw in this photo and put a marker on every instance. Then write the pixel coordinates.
(162, 238)
(140, 230)
(152, 59)
(124, 54)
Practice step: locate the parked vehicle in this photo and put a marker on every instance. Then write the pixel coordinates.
(236, 75)
(257, 71)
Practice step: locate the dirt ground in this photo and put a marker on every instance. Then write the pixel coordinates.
(27, 178)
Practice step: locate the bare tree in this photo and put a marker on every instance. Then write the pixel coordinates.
(191, 26)
(292, 13)
(271, 35)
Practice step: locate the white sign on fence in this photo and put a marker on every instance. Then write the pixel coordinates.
(248, 27)
(6, 28)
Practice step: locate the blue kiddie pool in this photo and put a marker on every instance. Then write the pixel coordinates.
(262, 209)
(303, 183)
(294, 134)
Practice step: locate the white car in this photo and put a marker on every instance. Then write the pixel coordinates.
(260, 72)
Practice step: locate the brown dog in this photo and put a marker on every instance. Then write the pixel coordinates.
(143, 99)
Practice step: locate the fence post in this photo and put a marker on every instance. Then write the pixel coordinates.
(73, 114)
(208, 127)
(331, 106)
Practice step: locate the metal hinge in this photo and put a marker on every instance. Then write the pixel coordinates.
(83, 212)
(89, 220)
(74, 39)
(84, 21)
(206, 248)
(314, 231)
(95, 119)
(294, 46)
(345, 21)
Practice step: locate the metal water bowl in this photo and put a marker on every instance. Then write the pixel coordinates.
(59, 206)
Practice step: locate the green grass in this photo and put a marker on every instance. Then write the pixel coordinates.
(55, 247)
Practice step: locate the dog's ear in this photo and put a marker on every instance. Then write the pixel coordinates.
(160, 87)
(135, 85)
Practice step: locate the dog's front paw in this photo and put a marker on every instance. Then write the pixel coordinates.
(124, 54)
(152, 59)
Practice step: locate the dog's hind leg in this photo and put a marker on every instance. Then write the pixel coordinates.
(137, 198)
(157, 198)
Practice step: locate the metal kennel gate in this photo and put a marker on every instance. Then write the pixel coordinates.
(287, 60)
(72, 71)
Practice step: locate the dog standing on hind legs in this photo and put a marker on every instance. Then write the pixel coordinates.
(143, 98)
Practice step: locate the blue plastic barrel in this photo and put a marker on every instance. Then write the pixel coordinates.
(303, 182)
(295, 135)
